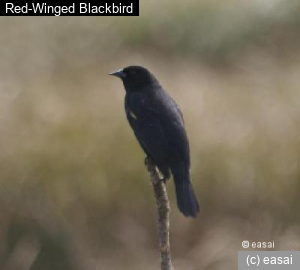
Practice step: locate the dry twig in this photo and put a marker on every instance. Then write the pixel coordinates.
(163, 208)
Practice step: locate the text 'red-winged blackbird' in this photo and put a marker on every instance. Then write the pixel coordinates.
(159, 127)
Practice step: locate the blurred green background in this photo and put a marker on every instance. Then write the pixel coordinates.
(75, 194)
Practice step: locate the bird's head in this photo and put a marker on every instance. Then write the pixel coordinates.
(135, 78)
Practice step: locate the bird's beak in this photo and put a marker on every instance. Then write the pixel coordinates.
(120, 74)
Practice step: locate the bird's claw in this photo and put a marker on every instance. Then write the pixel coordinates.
(156, 175)
(159, 174)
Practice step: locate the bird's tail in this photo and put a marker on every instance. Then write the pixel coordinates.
(186, 199)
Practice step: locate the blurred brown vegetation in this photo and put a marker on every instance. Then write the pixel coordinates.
(74, 191)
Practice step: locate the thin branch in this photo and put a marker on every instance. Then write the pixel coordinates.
(163, 208)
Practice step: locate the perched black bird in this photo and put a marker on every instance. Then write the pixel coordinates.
(159, 127)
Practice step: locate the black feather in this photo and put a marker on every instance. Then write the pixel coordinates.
(159, 127)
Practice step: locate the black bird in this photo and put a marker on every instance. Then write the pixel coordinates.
(159, 127)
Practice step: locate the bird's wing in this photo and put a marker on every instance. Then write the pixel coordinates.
(174, 130)
(147, 127)
(177, 109)
(158, 127)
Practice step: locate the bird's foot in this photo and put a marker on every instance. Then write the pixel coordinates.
(155, 175)
(160, 175)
